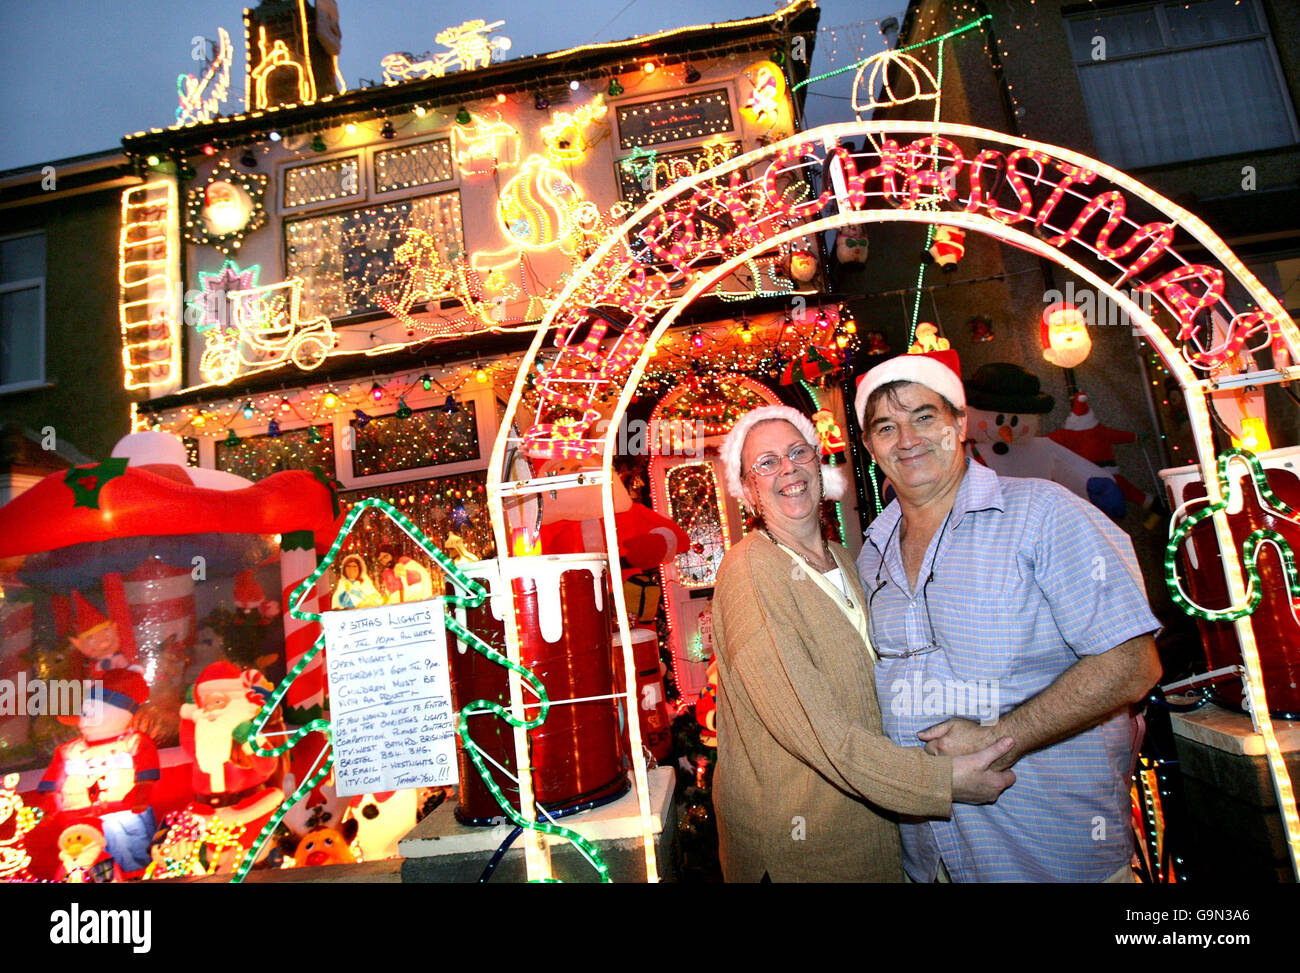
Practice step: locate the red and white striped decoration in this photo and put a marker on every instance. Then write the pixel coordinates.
(15, 639)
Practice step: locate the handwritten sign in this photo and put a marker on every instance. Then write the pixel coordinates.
(390, 698)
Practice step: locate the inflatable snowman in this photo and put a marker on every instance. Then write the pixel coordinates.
(1004, 406)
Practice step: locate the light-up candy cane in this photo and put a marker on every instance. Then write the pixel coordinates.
(476, 595)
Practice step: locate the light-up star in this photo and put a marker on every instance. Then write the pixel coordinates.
(640, 170)
(212, 301)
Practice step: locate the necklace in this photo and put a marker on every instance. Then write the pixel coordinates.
(826, 551)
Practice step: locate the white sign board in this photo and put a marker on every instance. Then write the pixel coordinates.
(390, 698)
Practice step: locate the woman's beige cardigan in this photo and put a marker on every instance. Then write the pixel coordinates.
(805, 778)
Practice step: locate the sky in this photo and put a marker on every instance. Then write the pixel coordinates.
(77, 75)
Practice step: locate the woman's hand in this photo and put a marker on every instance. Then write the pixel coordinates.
(972, 780)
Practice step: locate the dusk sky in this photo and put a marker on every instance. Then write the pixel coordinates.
(76, 75)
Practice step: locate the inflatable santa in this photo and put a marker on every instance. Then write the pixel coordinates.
(235, 790)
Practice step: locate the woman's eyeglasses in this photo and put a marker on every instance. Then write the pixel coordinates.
(801, 454)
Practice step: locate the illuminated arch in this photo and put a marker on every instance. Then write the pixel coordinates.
(886, 182)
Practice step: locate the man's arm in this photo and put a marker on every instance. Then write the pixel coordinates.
(1079, 699)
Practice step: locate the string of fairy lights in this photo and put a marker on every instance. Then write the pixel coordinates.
(274, 412)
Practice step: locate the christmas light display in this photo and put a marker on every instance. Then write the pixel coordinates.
(565, 137)
(468, 48)
(409, 166)
(268, 329)
(1254, 591)
(473, 596)
(424, 437)
(484, 145)
(148, 263)
(908, 172)
(212, 307)
(319, 182)
(674, 119)
(257, 457)
(277, 58)
(201, 98)
(535, 208)
(767, 95)
(226, 208)
(344, 257)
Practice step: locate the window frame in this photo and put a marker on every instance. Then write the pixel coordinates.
(1263, 33)
(41, 380)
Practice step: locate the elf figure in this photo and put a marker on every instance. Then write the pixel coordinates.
(102, 643)
(1004, 404)
(106, 776)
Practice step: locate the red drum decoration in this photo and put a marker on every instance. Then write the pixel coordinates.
(473, 676)
(1277, 635)
(563, 615)
(656, 733)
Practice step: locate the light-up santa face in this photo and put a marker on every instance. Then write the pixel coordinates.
(226, 208)
(80, 843)
(100, 642)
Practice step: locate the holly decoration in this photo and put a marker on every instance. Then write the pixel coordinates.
(86, 481)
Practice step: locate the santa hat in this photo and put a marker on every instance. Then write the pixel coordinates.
(228, 678)
(88, 617)
(123, 688)
(248, 593)
(939, 371)
(1081, 415)
(832, 476)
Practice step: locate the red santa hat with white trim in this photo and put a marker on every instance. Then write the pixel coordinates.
(833, 482)
(939, 371)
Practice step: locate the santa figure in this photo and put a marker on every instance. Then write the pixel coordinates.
(106, 776)
(84, 857)
(101, 643)
(1085, 435)
(235, 790)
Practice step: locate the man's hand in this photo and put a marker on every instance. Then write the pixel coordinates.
(957, 737)
(1081, 697)
(972, 780)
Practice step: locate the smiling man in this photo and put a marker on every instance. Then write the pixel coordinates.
(976, 579)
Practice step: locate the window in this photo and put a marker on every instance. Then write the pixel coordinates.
(1173, 81)
(22, 312)
(347, 259)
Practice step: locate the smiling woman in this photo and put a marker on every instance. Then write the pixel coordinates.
(806, 781)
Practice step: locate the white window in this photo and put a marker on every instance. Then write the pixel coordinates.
(22, 312)
(1168, 82)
